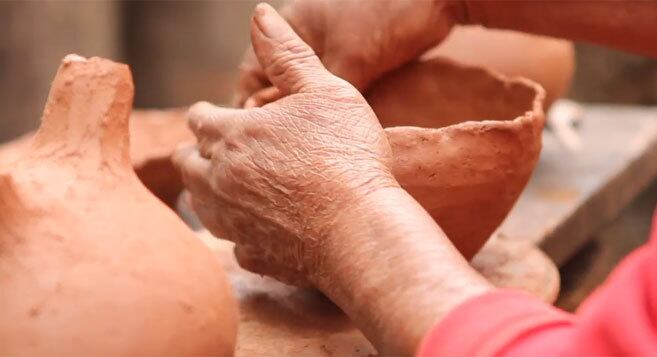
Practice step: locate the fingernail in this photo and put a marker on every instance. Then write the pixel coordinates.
(270, 23)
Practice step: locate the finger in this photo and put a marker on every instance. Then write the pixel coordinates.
(290, 64)
(251, 79)
(250, 259)
(210, 121)
(197, 177)
(195, 170)
(181, 153)
(215, 127)
(209, 215)
(262, 97)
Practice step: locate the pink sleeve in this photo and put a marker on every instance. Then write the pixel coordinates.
(620, 318)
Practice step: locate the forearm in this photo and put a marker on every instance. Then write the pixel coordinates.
(393, 270)
(626, 24)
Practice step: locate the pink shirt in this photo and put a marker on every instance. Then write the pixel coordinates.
(618, 319)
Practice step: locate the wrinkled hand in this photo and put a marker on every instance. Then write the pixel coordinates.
(358, 40)
(274, 179)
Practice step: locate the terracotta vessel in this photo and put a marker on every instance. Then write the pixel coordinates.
(465, 142)
(545, 60)
(154, 135)
(91, 263)
(13, 150)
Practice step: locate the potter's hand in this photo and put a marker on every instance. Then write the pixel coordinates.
(303, 186)
(356, 40)
(273, 179)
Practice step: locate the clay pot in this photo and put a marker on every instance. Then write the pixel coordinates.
(91, 263)
(13, 150)
(154, 135)
(548, 61)
(465, 142)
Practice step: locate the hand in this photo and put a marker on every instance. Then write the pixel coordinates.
(303, 186)
(274, 179)
(358, 40)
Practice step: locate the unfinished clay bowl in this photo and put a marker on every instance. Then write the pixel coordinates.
(91, 263)
(465, 142)
(548, 61)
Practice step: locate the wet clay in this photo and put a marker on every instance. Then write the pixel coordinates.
(545, 60)
(91, 263)
(465, 142)
(281, 320)
(154, 135)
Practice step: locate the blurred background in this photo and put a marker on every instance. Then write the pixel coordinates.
(179, 51)
(184, 51)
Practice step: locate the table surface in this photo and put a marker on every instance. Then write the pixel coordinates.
(572, 195)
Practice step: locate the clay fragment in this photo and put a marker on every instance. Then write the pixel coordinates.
(465, 141)
(91, 263)
(154, 135)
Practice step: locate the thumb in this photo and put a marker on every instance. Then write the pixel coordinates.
(290, 64)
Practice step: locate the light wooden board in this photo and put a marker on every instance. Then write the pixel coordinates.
(574, 194)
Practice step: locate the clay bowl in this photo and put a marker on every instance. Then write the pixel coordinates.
(465, 142)
(548, 61)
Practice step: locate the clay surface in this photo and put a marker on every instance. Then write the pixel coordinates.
(465, 142)
(13, 150)
(91, 263)
(281, 320)
(548, 61)
(154, 135)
